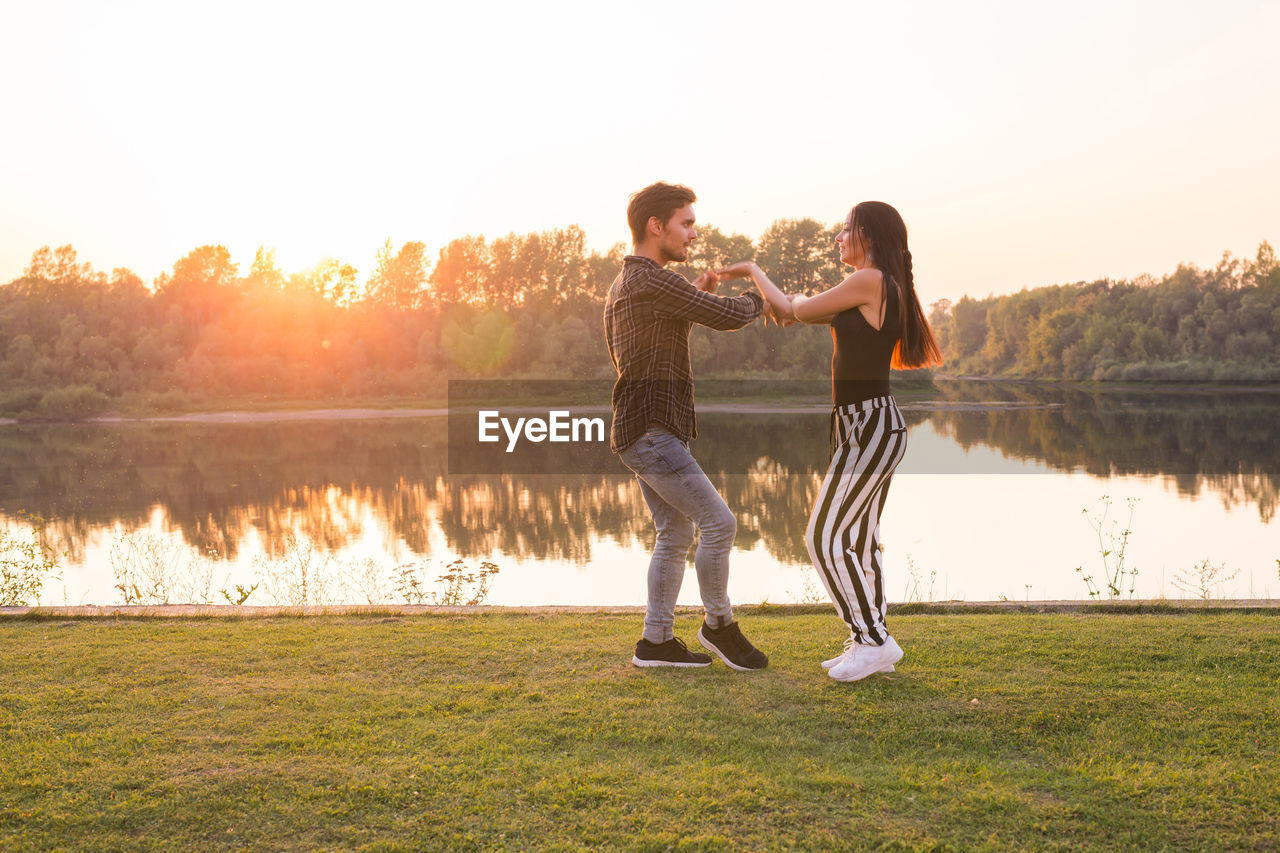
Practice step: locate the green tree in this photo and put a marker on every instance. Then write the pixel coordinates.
(264, 274)
(478, 341)
(714, 249)
(330, 279)
(463, 276)
(1264, 270)
(940, 322)
(400, 278)
(59, 265)
(565, 272)
(969, 325)
(800, 255)
(601, 271)
(201, 287)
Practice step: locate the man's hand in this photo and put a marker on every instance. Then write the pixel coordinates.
(707, 282)
(770, 315)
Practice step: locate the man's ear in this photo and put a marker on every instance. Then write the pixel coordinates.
(655, 226)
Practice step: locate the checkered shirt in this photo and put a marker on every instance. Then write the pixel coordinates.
(647, 318)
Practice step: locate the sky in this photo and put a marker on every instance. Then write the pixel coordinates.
(1025, 144)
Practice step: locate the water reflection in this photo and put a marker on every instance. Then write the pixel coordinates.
(220, 486)
(1224, 440)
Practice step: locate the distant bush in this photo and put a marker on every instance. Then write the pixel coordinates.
(1108, 371)
(913, 378)
(143, 403)
(1247, 372)
(1168, 371)
(172, 400)
(20, 402)
(76, 401)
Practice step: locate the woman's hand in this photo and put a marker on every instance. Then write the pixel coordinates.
(742, 269)
(777, 301)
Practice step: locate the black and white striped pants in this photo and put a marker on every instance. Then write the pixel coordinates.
(870, 439)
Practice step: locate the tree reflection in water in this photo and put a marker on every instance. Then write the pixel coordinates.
(328, 481)
(1224, 441)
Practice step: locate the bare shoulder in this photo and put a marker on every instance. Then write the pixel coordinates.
(865, 282)
(860, 288)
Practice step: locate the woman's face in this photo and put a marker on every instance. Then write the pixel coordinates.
(852, 252)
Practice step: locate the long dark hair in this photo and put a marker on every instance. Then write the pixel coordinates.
(884, 238)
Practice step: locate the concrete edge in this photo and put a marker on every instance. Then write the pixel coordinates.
(231, 611)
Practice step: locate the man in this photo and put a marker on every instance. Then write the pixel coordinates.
(647, 318)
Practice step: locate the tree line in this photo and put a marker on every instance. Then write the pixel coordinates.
(1212, 324)
(75, 341)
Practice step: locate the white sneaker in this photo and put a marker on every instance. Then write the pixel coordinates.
(848, 647)
(862, 661)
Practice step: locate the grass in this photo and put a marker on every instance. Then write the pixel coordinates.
(1013, 731)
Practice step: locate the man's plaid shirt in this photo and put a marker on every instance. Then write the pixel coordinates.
(646, 324)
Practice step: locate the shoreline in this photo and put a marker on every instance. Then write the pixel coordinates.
(930, 608)
(910, 398)
(331, 414)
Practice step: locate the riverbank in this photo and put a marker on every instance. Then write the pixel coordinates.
(763, 408)
(1181, 606)
(529, 730)
(724, 395)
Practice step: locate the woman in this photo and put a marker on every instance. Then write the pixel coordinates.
(876, 321)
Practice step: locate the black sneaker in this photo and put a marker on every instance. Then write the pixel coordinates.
(671, 653)
(733, 648)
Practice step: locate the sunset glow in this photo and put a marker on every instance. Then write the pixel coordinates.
(1024, 146)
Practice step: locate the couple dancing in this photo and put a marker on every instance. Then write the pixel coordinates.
(876, 319)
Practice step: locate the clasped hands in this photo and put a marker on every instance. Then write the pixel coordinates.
(778, 320)
(710, 280)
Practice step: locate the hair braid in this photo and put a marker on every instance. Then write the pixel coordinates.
(883, 229)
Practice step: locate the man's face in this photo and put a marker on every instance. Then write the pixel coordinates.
(677, 234)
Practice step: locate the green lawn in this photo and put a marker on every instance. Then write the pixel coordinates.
(1013, 731)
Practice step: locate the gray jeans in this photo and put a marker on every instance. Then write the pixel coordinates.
(680, 497)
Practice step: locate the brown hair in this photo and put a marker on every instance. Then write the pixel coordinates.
(660, 200)
(884, 235)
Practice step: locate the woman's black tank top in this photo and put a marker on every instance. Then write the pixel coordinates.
(860, 362)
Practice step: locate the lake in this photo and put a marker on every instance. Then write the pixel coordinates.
(1005, 491)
